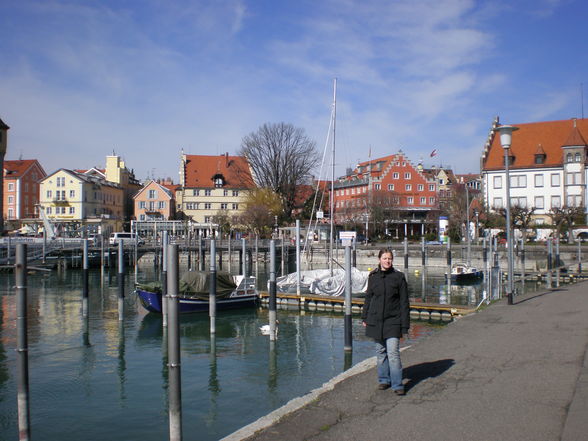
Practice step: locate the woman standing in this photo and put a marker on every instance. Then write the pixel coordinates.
(386, 317)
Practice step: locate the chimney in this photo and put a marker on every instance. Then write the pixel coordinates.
(227, 159)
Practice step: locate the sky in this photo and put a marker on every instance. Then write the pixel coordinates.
(148, 79)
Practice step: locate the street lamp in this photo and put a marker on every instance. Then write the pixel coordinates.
(506, 140)
(468, 223)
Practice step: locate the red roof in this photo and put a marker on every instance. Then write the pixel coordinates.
(202, 169)
(17, 168)
(531, 138)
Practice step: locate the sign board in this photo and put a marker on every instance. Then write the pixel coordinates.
(347, 238)
(319, 214)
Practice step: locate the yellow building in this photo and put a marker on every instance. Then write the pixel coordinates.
(75, 201)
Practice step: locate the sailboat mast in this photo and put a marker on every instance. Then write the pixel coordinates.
(332, 199)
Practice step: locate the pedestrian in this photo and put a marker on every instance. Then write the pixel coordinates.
(386, 317)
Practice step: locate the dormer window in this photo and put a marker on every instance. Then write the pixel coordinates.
(540, 159)
(511, 160)
(578, 157)
(219, 180)
(569, 158)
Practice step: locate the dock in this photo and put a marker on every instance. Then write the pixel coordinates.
(418, 310)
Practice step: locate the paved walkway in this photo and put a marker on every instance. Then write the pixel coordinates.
(505, 373)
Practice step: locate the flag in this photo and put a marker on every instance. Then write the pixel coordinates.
(434, 153)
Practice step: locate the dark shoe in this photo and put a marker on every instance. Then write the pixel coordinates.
(399, 392)
(383, 386)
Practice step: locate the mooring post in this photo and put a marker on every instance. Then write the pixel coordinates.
(448, 255)
(405, 254)
(347, 320)
(557, 263)
(579, 257)
(549, 262)
(298, 269)
(354, 253)
(85, 285)
(201, 251)
(423, 252)
(44, 247)
(173, 334)
(22, 351)
(523, 259)
(212, 296)
(8, 251)
(229, 257)
(272, 291)
(243, 258)
(164, 251)
(121, 278)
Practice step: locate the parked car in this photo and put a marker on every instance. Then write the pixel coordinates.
(583, 236)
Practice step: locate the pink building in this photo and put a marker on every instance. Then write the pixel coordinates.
(156, 200)
(21, 188)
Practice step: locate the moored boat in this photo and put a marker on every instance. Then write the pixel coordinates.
(233, 292)
(462, 272)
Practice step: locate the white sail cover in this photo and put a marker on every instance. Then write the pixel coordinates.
(322, 283)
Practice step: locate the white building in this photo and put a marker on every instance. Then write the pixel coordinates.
(547, 167)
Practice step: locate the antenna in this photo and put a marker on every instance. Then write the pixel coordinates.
(582, 98)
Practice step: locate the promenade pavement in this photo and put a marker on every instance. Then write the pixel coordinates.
(508, 372)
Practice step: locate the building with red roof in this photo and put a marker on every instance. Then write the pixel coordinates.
(547, 167)
(393, 184)
(211, 185)
(21, 188)
(156, 201)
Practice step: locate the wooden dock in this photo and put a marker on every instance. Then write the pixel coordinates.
(423, 311)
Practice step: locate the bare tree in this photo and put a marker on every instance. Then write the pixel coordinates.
(281, 157)
(567, 216)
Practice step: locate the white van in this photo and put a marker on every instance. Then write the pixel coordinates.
(126, 238)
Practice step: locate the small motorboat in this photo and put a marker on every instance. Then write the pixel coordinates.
(232, 292)
(462, 272)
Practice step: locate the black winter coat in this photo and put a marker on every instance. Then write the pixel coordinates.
(386, 310)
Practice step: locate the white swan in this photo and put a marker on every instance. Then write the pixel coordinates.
(265, 329)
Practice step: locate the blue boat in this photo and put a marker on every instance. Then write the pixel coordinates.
(232, 293)
(464, 273)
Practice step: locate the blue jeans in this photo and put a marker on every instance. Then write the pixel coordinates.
(389, 364)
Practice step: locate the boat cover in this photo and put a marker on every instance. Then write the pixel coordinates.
(322, 283)
(196, 285)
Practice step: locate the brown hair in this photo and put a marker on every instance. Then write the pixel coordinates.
(385, 251)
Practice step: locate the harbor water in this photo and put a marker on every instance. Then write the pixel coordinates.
(105, 378)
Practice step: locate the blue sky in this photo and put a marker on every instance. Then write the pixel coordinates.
(148, 78)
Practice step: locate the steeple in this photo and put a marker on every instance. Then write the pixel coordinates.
(575, 138)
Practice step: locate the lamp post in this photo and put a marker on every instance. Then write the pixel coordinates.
(468, 224)
(506, 140)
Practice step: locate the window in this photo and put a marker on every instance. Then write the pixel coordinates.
(72, 210)
(408, 187)
(207, 206)
(61, 181)
(235, 192)
(161, 205)
(48, 210)
(574, 200)
(578, 157)
(538, 180)
(420, 187)
(11, 199)
(49, 194)
(573, 179)
(225, 192)
(151, 205)
(555, 202)
(520, 201)
(218, 182)
(224, 206)
(195, 192)
(431, 187)
(377, 186)
(207, 219)
(390, 187)
(72, 193)
(539, 159)
(236, 206)
(569, 157)
(555, 180)
(431, 200)
(423, 201)
(207, 192)
(152, 194)
(518, 181)
(539, 202)
(497, 203)
(497, 181)
(11, 213)
(142, 217)
(410, 200)
(141, 204)
(395, 175)
(11, 186)
(406, 175)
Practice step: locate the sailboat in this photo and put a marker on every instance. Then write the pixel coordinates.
(331, 281)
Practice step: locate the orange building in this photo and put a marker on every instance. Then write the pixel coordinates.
(156, 201)
(21, 188)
